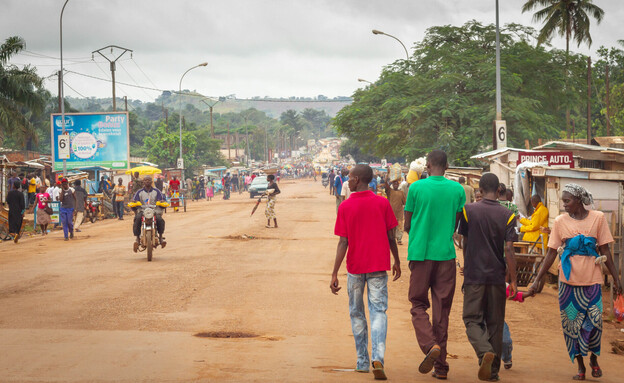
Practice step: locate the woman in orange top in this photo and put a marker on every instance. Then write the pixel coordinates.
(576, 236)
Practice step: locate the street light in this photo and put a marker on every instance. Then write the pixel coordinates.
(180, 161)
(62, 86)
(377, 32)
(362, 80)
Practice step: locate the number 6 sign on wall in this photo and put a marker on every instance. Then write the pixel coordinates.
(63, 146)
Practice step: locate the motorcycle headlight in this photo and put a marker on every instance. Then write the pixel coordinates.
(148, 213)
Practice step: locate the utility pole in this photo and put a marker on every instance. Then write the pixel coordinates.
(236, 145)
(126, 102)
(112, 65)
(228, 139)
(266, 144)
(500, 126)
(589, 138)
(247, 154)
(608, 103)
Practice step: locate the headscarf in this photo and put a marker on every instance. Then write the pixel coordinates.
(579, 192)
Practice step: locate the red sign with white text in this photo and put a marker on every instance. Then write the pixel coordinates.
(553, 158)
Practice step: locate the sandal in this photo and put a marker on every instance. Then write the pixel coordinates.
(378, 371)
(579, 376)
(596, 370)
(427, 363)
(439, 375)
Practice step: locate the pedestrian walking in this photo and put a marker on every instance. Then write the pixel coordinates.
(272, 191)
(577, 235)
(68, 203)
(397, 200)
(365, 225)
(81, 200)
(489, 230)
(431, 214)
(120, 193)
(43, 210)
(339, 183)
(332, 178)
(17, 206)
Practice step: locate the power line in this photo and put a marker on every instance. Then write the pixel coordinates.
(69, 86)
(132, 78)
(144, 74)
(197, 94)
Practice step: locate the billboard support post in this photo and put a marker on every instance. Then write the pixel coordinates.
(61, 81)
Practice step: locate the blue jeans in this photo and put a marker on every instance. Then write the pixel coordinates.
(507, 345)
(119, 206)
(67, 219)
(377, 305)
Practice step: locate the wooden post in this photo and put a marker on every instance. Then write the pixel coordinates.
(228, 142)
(236, 150)
(589, 138)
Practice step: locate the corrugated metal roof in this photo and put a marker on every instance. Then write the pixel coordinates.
(574, 146)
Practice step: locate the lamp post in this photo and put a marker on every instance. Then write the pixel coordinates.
(362, 80)
(377, 32)
(500, 126)
(62, 86)
(180, 161)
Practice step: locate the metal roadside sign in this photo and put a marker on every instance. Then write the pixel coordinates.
(63, 146)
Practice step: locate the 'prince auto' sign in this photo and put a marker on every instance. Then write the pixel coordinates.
(553, 158)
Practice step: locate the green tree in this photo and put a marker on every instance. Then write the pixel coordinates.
(447, 100)
(567, 18)
(21, 94)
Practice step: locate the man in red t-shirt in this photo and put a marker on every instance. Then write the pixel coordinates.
(174, 185)
(365, 225)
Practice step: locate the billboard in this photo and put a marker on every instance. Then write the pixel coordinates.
(95, 139)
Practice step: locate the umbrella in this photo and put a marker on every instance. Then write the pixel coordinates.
(144, 170)
(256, 207)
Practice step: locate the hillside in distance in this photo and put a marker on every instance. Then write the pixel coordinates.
(169, 100)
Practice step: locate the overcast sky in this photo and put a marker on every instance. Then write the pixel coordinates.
(276, 48)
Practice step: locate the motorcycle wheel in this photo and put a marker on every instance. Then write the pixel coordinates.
(149, 244)
(93, 218)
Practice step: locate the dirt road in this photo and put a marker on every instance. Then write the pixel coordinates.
(90, 310)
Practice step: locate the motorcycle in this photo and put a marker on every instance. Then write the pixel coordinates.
(92, 210)
(149, 235)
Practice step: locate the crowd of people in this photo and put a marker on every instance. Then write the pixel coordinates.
(434, 210)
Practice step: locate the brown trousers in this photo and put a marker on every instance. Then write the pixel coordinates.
(439, 276)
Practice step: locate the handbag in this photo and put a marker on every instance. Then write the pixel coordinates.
(48, 210)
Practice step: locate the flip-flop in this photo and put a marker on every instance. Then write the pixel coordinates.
(378, 371)
(485, 369)
(427, 363)
(579, 376)
(596, 371)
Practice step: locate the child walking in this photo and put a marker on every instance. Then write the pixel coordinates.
(365, 225)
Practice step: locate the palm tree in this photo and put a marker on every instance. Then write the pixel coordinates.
(568, 18)
(20, 94)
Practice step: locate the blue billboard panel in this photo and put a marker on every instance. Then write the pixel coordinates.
(96, 139)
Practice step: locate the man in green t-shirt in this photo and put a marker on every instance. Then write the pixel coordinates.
(431, 216)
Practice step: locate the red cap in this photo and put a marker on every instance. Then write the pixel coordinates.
(64, 180)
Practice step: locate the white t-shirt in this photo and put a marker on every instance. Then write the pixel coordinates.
(345, 191)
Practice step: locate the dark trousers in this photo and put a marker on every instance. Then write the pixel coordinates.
(439, 276)
(484, 317)
(136, 227)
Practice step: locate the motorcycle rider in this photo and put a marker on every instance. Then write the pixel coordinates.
(148, 196)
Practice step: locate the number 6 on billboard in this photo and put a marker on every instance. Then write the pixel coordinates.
(63, 146)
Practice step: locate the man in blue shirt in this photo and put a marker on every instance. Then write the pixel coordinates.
(373, 185)
(341, 179)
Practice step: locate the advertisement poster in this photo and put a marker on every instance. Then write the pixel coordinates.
(95, 139)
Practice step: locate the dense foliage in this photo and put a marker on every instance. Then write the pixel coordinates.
(444, 96)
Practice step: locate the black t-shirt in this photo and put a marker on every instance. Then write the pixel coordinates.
(487, 225)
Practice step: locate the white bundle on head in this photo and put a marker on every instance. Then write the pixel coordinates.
(418, 165)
